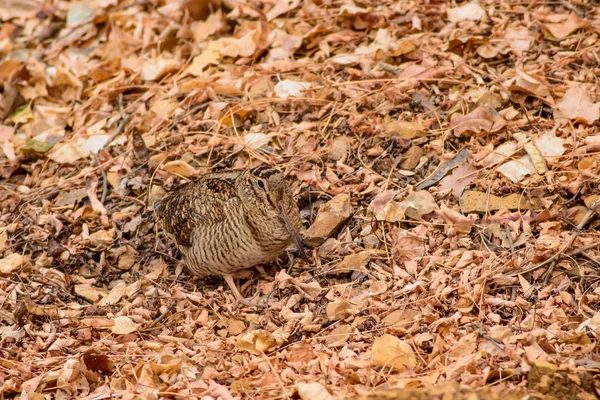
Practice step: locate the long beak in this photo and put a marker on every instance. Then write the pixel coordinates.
(288, 226)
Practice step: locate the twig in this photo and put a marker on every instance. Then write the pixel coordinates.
(161, 316)
(509, 238)
(121, 127)
(578, 228)
(104, 178)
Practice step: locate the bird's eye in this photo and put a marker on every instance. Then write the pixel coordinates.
(260, 184)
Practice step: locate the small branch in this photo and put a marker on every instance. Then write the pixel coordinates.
(557, 256)
(104, 178)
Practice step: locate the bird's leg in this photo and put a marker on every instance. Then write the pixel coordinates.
(238, 295)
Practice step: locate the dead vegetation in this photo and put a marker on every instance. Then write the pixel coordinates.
(445, 159)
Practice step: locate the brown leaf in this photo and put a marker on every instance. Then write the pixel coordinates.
(560, 30)
(98, 362)
(576, 105)
(482, 119)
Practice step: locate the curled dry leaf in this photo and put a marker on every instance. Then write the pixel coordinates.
(313, 391)
(89, 292)
(180, 168)
(288, 88)
(259, 341)
(482, 119)
(560, 30)
(123, 326)
(460, 178)
(518, 38)
(517, 169)
(155, 70)
(98, 362)
(405, 129)
(351, 262)
(12, 263)
(114, 296)
(443, 169)
(339, 336)
(469, 11)
(461, 223)
(331, 218)
(384, 208)
(532, 151)
(576, 105)
(391, 352)
(341, 309)
(418, 204)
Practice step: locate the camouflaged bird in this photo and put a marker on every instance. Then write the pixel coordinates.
(225, 222)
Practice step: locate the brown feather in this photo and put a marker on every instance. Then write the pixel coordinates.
(224, 222)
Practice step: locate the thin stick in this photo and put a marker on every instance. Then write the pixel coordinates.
(578, 228)
(104, 178)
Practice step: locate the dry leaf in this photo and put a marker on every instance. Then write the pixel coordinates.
(391, 352)
(576, 105)
(123, 326)
(384, 208)
(154, 70)
(418, 204)
(313, 391)
(560, 30)
(482, 119)
(12, 263)
(287, 88)
(469, 11)
(460, 178)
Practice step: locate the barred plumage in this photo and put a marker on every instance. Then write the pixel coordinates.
(224, 222)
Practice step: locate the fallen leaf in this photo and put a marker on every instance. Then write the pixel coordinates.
(259, 341)
(482, 119)
(460, 178)
(123, 326)
(469, 11)
(331, 218)
(98, 362)
(288, 88)
(155, 70)
(532, 151)
(91, 293)
(443, 169)
(114, 296)
(351, 262)
(341, 309)
(560, 30)
(384, 208)
(418, 204)
(517, 169)
(519, 39)
(338, 336)
(576, 105)
(391, 352)
(12, 263)
(313, 391)
(405, 129)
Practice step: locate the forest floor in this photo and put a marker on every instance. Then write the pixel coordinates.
(444, 156)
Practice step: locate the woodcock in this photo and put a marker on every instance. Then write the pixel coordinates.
(225, 222)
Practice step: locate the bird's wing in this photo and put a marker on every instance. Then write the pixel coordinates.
(196, 204)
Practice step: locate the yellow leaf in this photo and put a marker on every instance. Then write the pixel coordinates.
(391, 352)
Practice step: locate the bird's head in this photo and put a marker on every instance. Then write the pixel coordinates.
(266, 187)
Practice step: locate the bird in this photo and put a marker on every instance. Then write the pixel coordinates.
(224, 222)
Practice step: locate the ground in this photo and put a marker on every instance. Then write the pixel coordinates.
(444, 156)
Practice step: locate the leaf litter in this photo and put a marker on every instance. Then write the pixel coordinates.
(485, 276)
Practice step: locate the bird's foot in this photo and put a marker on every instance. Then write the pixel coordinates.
(238, 296)
(251, 303)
